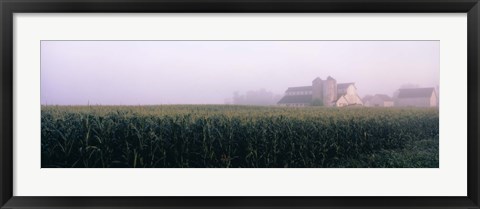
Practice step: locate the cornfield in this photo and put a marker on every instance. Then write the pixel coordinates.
(228, 136)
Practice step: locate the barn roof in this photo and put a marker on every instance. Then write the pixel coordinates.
(344, 85)
(340, 86)
(384, 97)
(287, 99)
(299, 88)
(415, 93)
(342, 97)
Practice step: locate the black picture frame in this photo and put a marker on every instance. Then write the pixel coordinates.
(9, 7)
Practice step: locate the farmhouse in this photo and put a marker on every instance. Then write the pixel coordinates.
(379, 100)
(417, 97)
(322, 92)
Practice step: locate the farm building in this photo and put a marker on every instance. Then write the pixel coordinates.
(417, 97)
(322, 92)
(379, 100)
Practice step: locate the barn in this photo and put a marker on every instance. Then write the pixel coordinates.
(347, 95)
(417, 97)
(322, 92)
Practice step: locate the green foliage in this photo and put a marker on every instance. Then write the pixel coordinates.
(221, 136)
(317, 102)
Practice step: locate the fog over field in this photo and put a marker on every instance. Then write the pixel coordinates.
(214, 72)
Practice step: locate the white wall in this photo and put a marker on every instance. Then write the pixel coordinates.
(352, 96)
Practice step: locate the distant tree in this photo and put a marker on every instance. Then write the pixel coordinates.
(260, 97)
(317, 102)
(409, 86)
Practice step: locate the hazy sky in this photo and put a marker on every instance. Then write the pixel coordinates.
(208, 72)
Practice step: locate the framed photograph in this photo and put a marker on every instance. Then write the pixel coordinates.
(239, 104)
